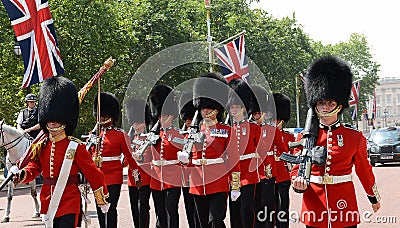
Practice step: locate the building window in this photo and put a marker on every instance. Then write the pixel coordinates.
(388, 98)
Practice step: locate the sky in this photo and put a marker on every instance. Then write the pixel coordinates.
(331, 21)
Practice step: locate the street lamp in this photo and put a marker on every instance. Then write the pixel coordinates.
(17, 49)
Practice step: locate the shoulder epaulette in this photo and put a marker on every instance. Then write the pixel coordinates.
(72, 138)
(349, 126)
(119, 129)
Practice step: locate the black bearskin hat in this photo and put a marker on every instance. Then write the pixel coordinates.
(186, 108)
(260, 103)
(137, 110)
(210, 90)
(58, 102)
(162, 101)
(109, 106)
(282, 105)
(328, 78)
(240, 94)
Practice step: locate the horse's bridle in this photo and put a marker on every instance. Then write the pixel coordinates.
(13, 143)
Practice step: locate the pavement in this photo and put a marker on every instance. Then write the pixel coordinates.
(388, 216)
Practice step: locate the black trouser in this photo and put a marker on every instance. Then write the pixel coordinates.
(265, 203)
(166, 207)
(65, 221)
(211, 210)
(114, 192)
(242, 211)
(140, 207)
(282, 204)
(189, 207)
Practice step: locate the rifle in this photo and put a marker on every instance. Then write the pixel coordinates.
(151, 138)
(310, 154)
(194, 136)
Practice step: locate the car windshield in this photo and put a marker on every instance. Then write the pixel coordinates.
(386, 135)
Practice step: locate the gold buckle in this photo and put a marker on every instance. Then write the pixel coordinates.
(327, 179)
(203, 162)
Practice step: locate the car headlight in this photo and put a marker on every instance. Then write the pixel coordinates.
(374, 149)
(397, 148)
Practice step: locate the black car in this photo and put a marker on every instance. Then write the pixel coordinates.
(384, 145)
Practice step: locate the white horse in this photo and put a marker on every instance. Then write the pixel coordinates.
(16, 143)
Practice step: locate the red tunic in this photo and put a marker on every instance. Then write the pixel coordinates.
(71, 198)
(269, 139)
(114, 143)
(169, 175)
(347, 148)
(283, 172)
(246, 135)
(144, 168)
(213, 178)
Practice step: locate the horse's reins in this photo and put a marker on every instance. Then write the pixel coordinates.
(15, 141)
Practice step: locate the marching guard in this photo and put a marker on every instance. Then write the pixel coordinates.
(113, 143)
(270, 140)
(216, 166)
(138, 114)
(282, 185)
(60, 157)
(330, 194)
(166, 179)
(245, 135)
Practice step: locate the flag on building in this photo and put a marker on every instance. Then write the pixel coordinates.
(35, 32)
(353, 102)
(232, 59)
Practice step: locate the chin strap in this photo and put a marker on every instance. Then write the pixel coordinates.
(329, 114)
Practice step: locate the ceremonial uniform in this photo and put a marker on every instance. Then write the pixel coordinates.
(214, 161)
(138, 114)
(245, 135)
(166, 179)
(330, 195)
(336, 199)
(114, 143)
(49, 165)
(59, 105)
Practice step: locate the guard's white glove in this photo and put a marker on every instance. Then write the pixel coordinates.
(104, 208)
(235, 195)
(183, 157)
(14, 170)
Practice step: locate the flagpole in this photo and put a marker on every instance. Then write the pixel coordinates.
(230, 38)
(297, 103)
(207, 4)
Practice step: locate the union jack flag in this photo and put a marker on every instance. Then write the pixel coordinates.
(232, 59)
(35, 32)
(353, 102)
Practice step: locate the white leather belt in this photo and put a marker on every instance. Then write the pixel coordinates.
(270, 153)
(164, 162)
(107, 159)
(207, 161)
(248, 156)
(330, 179)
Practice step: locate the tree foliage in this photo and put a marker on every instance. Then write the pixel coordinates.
(89, 31)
